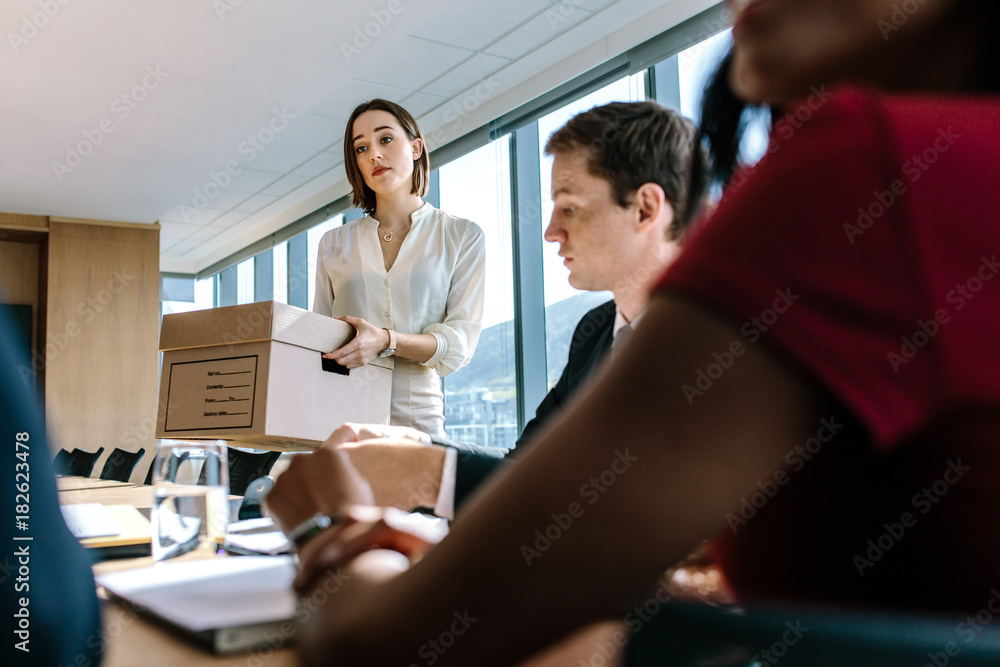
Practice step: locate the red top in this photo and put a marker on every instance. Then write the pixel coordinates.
(876, 217)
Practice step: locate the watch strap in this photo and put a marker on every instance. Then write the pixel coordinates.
(391, 350)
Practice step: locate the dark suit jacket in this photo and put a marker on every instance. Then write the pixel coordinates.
(591, 342)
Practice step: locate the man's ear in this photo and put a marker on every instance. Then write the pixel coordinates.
(652, 205)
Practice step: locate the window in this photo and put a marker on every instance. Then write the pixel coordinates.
(314, 235)
(481, 399)
(564, 304)
(696, 64)
(204, 295)
(244, 281)
(280, 267)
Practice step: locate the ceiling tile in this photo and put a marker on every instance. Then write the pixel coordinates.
(283, 159)
(308, 130)
(206, 233)
(256, 203)
(191, 215)
(590, 5)
(252, 180)
(470, 25)
(227, 199)
(538, 31)
(341, 103)
(285, 185)
(466, 75)
(320, 164)
(181, 248)
(171, 232)
(229, 219)
(411, 63)
(420, 103)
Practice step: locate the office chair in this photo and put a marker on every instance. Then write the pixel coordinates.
(695, 634)
(175, 464)
(81, 462)
(244, 467)
(120, 464)
(60, 463)
(253, 499)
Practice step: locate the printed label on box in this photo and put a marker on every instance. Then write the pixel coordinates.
(211, 394)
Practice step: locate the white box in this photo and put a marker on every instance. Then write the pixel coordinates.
(254, 374)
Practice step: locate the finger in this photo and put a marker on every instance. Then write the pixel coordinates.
(344, 350)
(347, 432)
(315, 559)
(335, 552)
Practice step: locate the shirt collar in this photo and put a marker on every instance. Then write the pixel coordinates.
(425, 211)
(620, 321)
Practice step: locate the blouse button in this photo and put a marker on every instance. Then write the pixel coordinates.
(387, 313)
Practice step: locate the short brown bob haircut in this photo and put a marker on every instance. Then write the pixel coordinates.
(632, 143)
(364, 197)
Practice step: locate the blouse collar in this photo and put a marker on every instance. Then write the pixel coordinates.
(425, 211)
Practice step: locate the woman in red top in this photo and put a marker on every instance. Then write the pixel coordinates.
(815, 379)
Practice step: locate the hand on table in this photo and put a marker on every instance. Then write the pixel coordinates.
(355, 546)
(365, 346)
(325, 481)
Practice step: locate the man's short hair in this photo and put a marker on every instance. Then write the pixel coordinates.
(363, 196)
(632, 143)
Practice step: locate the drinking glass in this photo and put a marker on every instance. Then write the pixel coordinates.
(190, 498)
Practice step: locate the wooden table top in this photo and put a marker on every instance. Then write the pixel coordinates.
(131, 639)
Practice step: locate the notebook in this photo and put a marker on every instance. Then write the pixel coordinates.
(109, 531)
(227, 604)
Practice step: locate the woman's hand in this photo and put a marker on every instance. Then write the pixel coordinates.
(365, 346)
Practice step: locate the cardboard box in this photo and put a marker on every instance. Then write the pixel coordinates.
(254, 374)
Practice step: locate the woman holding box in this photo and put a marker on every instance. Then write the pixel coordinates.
(409, 277)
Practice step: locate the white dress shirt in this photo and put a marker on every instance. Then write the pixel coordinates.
(436, 286)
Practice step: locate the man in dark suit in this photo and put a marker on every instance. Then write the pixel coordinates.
(627, 179)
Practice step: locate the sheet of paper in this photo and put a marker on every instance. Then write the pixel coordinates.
(262, 524)
(211, 594)
(90, 520)
(272, 542)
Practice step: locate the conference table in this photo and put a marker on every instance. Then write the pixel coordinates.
(133, 639)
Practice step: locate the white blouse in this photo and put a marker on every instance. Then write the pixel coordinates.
(436, 286)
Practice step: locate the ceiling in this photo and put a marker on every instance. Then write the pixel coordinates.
(223, 120)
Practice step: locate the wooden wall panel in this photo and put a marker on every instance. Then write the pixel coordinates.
(103, 324)
(19, 273)
(21, 282)
(23, 221)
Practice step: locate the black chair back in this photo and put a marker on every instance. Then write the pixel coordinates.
(121, 463)
(175, 464)
(245, 467)
(253, 499)
(81, 462)
(61, 462)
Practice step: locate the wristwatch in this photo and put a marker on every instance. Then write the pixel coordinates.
(391, 350)
(312, 527)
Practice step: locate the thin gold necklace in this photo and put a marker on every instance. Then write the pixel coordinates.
(388, 237)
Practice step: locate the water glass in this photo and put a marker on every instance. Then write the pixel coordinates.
(190, 498)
